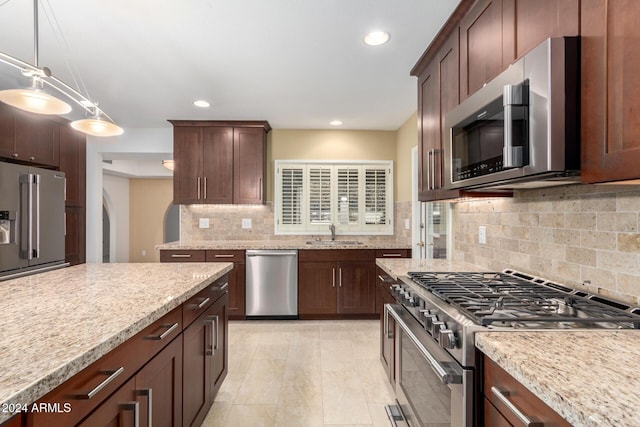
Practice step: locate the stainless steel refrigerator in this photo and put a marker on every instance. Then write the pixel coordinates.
(32, 222)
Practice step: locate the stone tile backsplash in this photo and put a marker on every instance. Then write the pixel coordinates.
(585, 236)
(225, 223)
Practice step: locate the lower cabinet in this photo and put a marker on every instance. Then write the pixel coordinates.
(167, 375)
(336, 283)
(205, 362)
(509, 403)
(236, 276)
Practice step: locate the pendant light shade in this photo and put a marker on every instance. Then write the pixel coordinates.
(97, 125)
(34, 100)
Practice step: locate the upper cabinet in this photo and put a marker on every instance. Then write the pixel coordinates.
(219, 162)
(610, 90)
(28, 138)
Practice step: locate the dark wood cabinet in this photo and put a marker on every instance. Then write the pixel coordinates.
(500, 387)
(73, 160)
(16, 421)
(159, 388)
(527, 23)
(119, 409)
(237, 279)
(387, 324)
(7, 131)
(205, 361)
(481, 41)
(610, 90)
(336, 283)
(219, 162)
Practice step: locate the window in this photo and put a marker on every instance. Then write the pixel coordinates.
(357, 197)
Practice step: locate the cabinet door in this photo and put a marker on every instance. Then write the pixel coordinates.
(121, 409)
(356, 287)
(428, 124)
(317, 291)
(187, 156)
(493, 417)
(73, 155)
(218, 316)
(610, 90)
(480, 46)
(37, 140)
(249, 146)
(75, 237)
(237, 286)
(217, 165)
(534, 21)
(7, 131)
(159, 388)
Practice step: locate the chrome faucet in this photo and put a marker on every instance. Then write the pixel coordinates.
(332, 228)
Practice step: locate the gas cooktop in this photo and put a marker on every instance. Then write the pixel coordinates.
(515, 299)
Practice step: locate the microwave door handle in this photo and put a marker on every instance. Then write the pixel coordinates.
(512, 156)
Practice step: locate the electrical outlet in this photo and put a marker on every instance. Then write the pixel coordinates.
(482, 235)
(246, 223)
(143, 252)
(407, 224)
(203, 222)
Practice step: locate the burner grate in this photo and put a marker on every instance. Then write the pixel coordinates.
(490, 297)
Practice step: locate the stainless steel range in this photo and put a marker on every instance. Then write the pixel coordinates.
(437, 315)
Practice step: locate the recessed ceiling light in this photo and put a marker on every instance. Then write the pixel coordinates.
(335, 123)
(201, 103)
(376, 38)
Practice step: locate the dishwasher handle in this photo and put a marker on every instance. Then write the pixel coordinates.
(260, 253)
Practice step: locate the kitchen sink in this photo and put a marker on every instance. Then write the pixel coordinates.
(333, 242)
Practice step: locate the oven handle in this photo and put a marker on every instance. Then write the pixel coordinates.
(441, 372)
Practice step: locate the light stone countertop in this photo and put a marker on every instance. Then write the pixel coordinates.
(55, 324)
(590, 377)
(293, 243)
(400, 267)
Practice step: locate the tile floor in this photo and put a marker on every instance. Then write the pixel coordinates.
(303, 374)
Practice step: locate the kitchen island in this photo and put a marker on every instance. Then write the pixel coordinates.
(57, 323)
(588, 377)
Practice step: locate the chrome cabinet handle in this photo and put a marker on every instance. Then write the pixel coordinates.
(340, 276)
(225, 286)
(392, 255)
(202, 304)
(224, 256)
(334, 277)
(148, 393)
(198, 188)
(180, 255)
(502, 396)
(205, 188)
(135, 407)
(112, 376)
(170, 328)
(429, 170)
(433, 170)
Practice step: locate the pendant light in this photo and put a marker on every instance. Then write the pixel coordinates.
(36, 100)
(98, 124)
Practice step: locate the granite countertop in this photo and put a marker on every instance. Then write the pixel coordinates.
(293, 243)
(55, 324)
(590, 377)
(400, 267)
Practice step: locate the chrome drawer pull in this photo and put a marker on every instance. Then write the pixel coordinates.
(180, 255)
(148, 393)
(112, 376)
(202, 304)
(224, 256)
(162, 335)
(135, 407)
(225, 286)
(391, 255)
(502, 397)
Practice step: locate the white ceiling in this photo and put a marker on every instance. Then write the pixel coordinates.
(297, 63)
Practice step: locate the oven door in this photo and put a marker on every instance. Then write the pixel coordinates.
(432, 388)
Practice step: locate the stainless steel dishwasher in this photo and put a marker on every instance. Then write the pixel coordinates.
(272, 284)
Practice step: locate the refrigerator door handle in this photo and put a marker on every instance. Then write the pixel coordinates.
(36, 251)
(26, 217)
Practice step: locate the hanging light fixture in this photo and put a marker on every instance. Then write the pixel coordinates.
(36, 100)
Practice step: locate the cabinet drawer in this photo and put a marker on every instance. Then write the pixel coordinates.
(87, 389)
(509, 397)
(224, 256)
(393, 253)
(384, 280)
(182, 256)
(199, 303)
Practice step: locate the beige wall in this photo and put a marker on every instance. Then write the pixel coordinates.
(407, 138)
(149, 200)
(293, 144)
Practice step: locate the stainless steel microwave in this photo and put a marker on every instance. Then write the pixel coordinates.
(521, 130)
